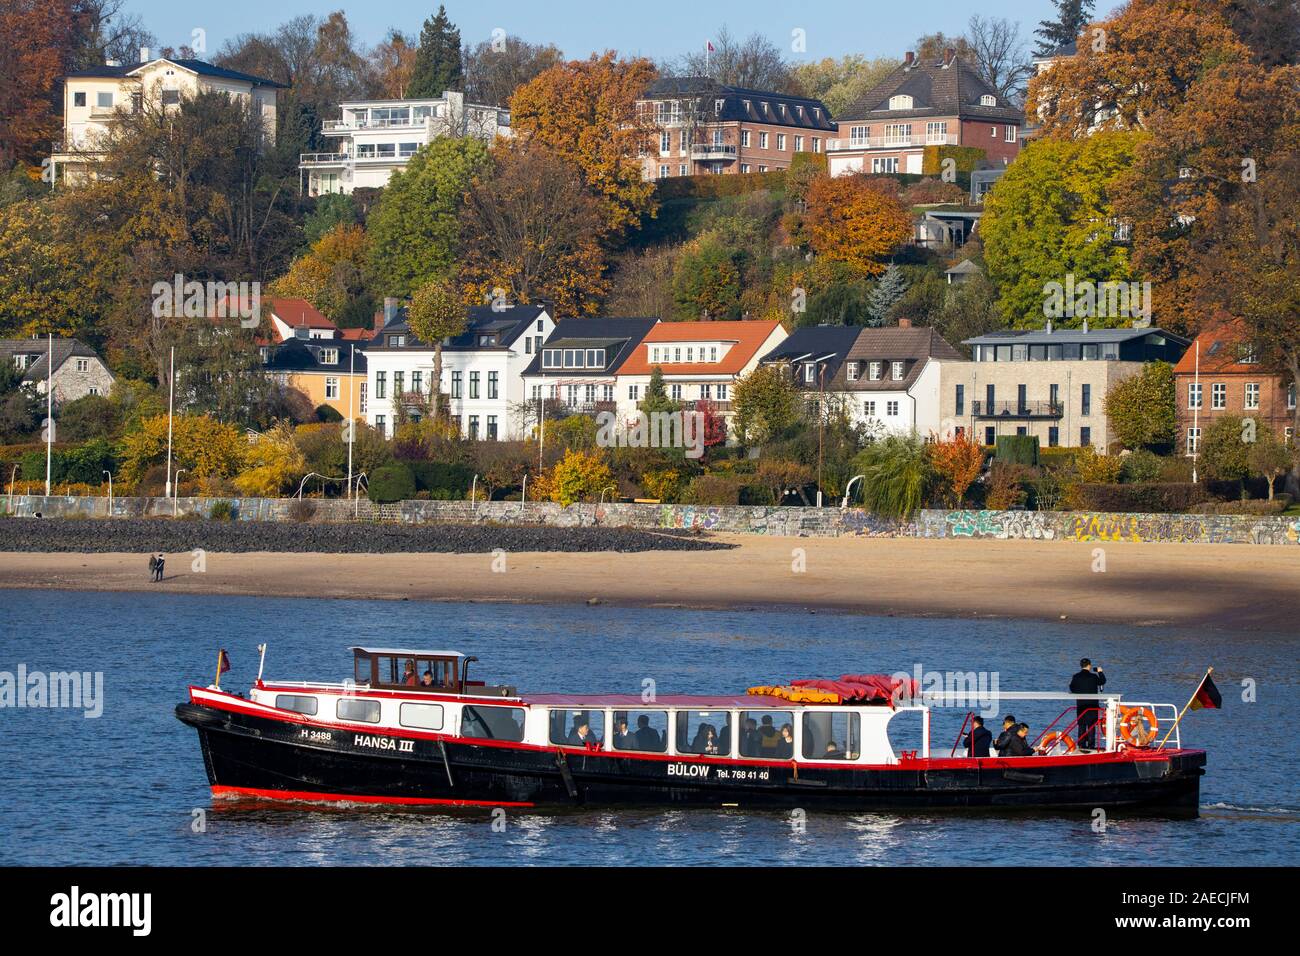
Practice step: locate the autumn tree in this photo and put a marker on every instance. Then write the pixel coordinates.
(1052, 216)
(494, 69)
(32, 42)
(1142, 409)
(392, 66)
(957, 461)
(855, 220)
(839, 83)
(585, 111)
(331, 274)
(706, 282)
(1129, 68)
(414, 229)
(579, 476)
(765, 403)
(437, 67)
(1270, 458)
(530, 226)
(435, 314)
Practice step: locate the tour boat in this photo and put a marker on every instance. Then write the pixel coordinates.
(411, 728)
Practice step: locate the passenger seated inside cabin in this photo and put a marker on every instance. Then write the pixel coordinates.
(623, 740)
(581, 735)
(647, 738)
(408, 676)
(833, 751)
(750, 745)
(706, 740)
(768, 739)
(427, 679)
(785, 746)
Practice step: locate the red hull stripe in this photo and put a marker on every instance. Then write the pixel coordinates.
(240, 706)
(313, 796)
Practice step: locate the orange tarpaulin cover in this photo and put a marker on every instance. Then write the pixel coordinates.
(798, 695)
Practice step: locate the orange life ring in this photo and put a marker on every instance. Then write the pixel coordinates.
(1138, 725)
(1057, 737)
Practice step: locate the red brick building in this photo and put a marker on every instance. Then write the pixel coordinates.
(702, 126)
(1230, 383)
(942, 102)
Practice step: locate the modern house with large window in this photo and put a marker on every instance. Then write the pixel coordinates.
(700, 361)
(1048, 383)
(576, 372)
(884, 378)
(701, 126)
(482, 370)
(374, 138)
(1219, 376)
(93, 99)
(936, 102)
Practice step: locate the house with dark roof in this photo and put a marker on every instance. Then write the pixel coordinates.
(1049, 382)
(577, 369)
(885, 378)
(78, 369)
(1220, 375)
(328, 372)
(924, 103)
(93, 98)
(482, 369)
(702, 126)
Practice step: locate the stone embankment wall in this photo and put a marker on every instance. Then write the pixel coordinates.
(795, 522)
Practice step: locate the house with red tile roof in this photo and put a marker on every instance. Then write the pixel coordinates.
(700, 361)
(1220, 376)
(298, 318)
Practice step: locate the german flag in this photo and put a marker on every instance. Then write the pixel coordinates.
(1207, 696)
(223, 664)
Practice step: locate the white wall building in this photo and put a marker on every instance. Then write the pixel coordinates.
(375, 137)
(482, 370)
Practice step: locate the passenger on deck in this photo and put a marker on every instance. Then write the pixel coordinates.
(1089, 680)
(622, 739)
(977, 741)
(1019, 744)
(1004, 738)
(581, 734)
(785, 746)
(647, 738)
(408, 675)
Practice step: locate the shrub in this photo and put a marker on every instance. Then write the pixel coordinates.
(1248, 507)
(967, 157)
(1224, 456)
(1141, 466)
(715, 187)
(1017, 449)
(1006, 485)
(222, 511)
(579, 476)
(302, 509)
(328, 413)
(391, 483)
(444, 481)
(713, 489)
(1146, 497)
(1096, 468)
(664, 484)
(896, 475)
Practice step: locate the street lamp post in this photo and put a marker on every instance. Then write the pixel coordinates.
(176, 491)
(110, 493)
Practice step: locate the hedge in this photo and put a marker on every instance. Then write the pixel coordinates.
(443, 480)
(1143, 498)
(1017, 449)
(968, 158)
(391, 483)
(715, 187)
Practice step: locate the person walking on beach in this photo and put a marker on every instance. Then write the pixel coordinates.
(153, 567)
(156, 565)
(1089, 680)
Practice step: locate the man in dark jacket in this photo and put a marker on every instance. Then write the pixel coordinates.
(153, 567)
(1019, 746)
(1004, 738)
(977, 741)
(1089, 680)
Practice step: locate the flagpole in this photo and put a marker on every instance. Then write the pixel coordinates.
(1199, 685)
(49, 412)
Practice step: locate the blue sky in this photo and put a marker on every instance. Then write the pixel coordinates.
(832, 27)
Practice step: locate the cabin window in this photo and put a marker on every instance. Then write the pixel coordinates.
(831, 735)
(492, 723)
(299, 705)
(767, 733)
(645, 730)
(421, 716)
(567, 727)
(704, 732)
(357, 710)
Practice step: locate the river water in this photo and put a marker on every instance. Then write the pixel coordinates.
(129, 786)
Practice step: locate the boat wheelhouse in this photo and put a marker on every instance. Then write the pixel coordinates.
(410, 727)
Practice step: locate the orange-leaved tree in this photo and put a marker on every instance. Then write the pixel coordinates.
(856, 220)
(957, 461)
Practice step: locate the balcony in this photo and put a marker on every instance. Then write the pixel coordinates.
(324, 159)
(890, 142)
(719, 407)
(1021, 410)
(713, 151)
(558, 408)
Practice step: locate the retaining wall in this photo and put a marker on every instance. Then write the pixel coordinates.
(793, 522)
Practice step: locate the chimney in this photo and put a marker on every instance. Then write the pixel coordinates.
(908, 57)
(144, 54)
(390, 309)
(904, 323)
(948, 55)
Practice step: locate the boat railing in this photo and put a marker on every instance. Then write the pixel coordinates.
(1099, 727)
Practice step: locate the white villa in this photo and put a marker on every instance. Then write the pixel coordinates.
(376, 137)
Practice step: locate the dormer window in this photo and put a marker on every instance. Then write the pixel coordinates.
(329, 356)
(810, 372)
(874, 371)
(486, 341)
(551, 358)
(718, 105)
(897, 371)
(900, 102)
(396, 341)
(851, 371)
(987, 100)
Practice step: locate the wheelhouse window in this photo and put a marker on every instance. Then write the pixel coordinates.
(492, 723)
(704, 732)
(298, 704)
(767, 734)
(643, 730)
(357, 710)
(421, 716)
(832, 735)
(577, 728)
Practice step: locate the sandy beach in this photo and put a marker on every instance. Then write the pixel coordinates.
(1231, 587)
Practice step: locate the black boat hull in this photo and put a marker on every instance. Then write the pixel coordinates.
(255, 756)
